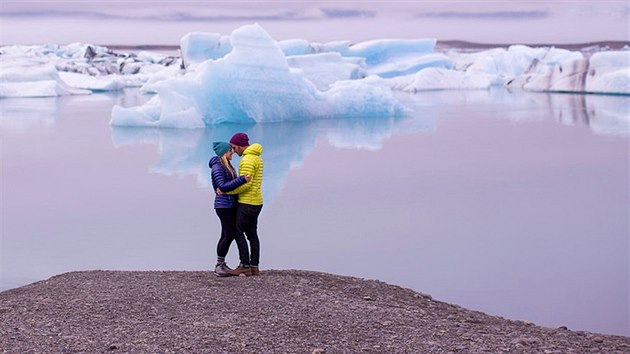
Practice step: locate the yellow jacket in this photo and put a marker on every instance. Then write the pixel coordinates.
(251, 164)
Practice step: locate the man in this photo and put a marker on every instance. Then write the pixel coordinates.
(250, 198)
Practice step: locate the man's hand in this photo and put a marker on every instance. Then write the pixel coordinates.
(219, 192)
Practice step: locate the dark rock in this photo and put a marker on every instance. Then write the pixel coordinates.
(196, 312)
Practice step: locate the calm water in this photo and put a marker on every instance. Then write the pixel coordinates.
(514, 204)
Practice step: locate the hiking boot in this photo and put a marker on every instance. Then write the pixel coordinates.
(254, 270)
(222, 270)
(242, 270)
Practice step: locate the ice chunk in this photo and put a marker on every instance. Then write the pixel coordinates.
(253, 83)
(609, 72)
(604, 72)
(513, 66)
(197, 47)
(160, 75)
(296, 47)
(446, 79)
(102, 83)
(410, 65)
(335, 46)
(378, 51)
(323, 69)
(302, 71)
(74, 68)
(566, 77)
(151, 57)
(37, 81)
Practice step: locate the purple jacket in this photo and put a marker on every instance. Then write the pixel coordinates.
(222, 179)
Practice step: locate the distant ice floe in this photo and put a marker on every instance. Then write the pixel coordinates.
(35, 81)
(75, 69)
(249, 77)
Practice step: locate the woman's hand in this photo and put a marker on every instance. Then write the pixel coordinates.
(219, 192)
(248, 178)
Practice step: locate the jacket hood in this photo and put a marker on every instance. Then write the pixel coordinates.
(253, 149)
(213, 161)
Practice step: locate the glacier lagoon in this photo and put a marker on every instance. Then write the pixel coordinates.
(514, 204)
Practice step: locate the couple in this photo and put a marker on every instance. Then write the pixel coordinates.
(238, 202)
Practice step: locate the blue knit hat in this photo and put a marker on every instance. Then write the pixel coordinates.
(220, 148)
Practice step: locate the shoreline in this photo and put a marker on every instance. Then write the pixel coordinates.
(278, 311)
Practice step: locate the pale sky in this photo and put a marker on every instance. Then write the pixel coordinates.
(165, 22)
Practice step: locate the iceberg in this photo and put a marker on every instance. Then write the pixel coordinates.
(38, 81)
(249, 77)
(602, 73)
(445, 79)
(254, 83)
(324, 69)
(609, 72)
(197, 47)
(383, 50)
(74, 69)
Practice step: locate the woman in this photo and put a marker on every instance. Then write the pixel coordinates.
(225, 179)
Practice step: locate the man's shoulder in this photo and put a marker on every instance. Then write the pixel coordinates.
(254, 149)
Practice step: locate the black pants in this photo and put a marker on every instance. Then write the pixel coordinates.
(229, 232)
(247, 223)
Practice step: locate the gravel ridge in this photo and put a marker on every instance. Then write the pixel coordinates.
(280, 311)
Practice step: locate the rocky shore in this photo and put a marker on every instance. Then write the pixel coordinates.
(280, 311)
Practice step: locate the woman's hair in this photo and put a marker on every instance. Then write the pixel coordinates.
(225, 162)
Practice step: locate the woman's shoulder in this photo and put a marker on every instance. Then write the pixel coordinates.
(218, 167)
(214, 160)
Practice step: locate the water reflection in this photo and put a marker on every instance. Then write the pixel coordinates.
(186, 151)
(27, 113)
(603, 114)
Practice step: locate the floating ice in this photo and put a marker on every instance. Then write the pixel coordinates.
(604, 72)
(253, 83)
(52, 70)
(324, 69)
(609, 72)
(383, 50)
(261, 80)
(445, 79)
(566, 77)
(297, 47)
(197, 47)
(410, 65)
(35, 81)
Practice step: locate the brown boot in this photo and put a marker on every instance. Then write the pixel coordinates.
(254, 270)
(242, 270)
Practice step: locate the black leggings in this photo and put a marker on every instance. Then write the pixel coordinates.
(229, 232)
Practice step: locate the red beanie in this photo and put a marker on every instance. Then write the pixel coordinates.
(240, 139)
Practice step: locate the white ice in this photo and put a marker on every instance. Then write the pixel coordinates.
(249, 77)
(254, 83)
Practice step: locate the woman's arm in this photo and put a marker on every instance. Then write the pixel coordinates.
(232, 184)
(219, 181)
